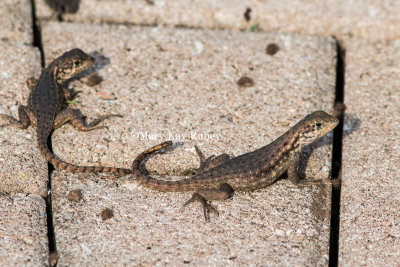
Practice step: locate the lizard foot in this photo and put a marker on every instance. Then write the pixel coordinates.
(207, 207)
(93, 124)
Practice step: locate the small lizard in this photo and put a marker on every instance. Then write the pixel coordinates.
(47, 108)
(221, 176)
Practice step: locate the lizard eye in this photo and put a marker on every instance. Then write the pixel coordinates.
(318, 124)
(76, 62)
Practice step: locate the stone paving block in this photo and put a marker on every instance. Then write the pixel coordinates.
(370, 215)
(367, 19)
(119, 223)
(23, 169)
(170, 82)
(16, 21)
(23, 231)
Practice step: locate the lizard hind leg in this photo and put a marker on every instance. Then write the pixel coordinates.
(224, 191)
(210, 162)
(26, 117)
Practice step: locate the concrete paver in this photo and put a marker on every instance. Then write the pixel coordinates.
(23, 169)
(366, 19)
(155, 77)
(370, 216)
(23, 231)
(16, 21)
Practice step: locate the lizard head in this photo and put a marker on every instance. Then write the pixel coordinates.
(70, 64)
(316, 125)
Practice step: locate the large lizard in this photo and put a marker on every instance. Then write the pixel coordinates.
(221, 176)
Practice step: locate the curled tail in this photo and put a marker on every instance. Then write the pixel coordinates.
(147, 153)
(150, 182)
(63, 165)
(184, 185)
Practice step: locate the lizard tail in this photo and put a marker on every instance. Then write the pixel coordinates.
(150, 182)
(184, 185)
(147, 153)
(63, 165)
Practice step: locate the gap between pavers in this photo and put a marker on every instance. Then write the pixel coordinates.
(181, 81)
(369, 217)
(23, 168)
(23, 231)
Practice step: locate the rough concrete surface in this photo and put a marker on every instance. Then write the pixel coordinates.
(23, 231)
(166, 81)
(366, 19)
(16, 21)
(370, 215)
(23, 169)
(281, 224)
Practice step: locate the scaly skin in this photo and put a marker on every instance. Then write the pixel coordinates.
(47, 108)
(246, 172)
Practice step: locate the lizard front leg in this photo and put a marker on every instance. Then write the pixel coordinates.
(69, 94)
(293, 175)
(26, 117)
(78, 120)
(204, 196)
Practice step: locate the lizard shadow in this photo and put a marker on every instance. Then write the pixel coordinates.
(352, 124)
(100, 61)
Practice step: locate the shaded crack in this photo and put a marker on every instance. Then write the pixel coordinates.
(337, 157)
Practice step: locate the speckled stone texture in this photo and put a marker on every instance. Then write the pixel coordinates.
(370, 215)
(23, 169)
(166, 83)
(16, 22)
(369, 19)
(23, 231)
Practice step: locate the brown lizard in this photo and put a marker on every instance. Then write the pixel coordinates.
(47, 108)
(246, 172)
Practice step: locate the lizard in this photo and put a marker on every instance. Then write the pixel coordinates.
(47, 108)
(220, 176)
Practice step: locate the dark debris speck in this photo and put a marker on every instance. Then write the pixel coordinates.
(246, 14)
(245, 82)
(272, 49)
(75, 195)
(106, 214)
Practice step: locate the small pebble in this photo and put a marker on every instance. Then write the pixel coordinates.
(106, 214)
(272, 49)
(245, 82)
